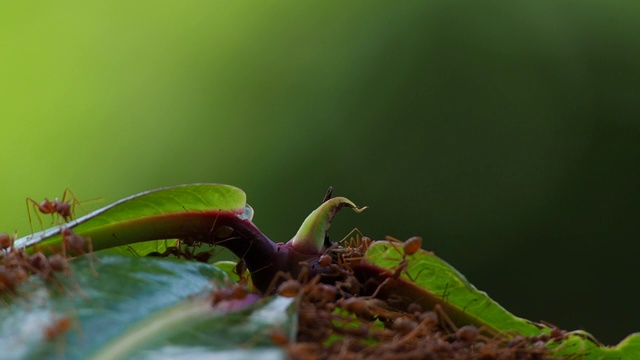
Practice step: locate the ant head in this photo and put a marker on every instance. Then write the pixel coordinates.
(5, 241)
(47, 207)
(289, 288)
(325, 260)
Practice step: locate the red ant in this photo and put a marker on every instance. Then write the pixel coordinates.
(6, 241)
(76, 243)
(187, 253)
(325, 260)
(59, 327)
(62, 208)
(278, 337)
(241, 269)
(289, 288)
(409, 247)
(352, 251)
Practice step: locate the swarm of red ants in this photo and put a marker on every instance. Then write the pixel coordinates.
(17, 266)
(342, 320)
(337, 319)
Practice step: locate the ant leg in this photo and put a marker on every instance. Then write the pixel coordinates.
(393, 241)
(390, 238)
(353, 238)
(91, 255)
(64, 244)
(280, 275)
(445, 319)
(36, 208)
(375, 293)
(72, 202)
(402, 267)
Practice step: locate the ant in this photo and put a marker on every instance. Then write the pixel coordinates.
(409, 247)
(76, 243)
(241, 269)
(366, 307)
(350, 252)
(325, 260)
(289, 288)
(8, 280)
(55, 331)
(279, 337)
(60, 326)
(6, 241)
(186, 252)
(61, 208)
(232, 297)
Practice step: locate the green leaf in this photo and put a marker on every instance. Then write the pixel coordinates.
(460, 300)
(125, 290)
(167, 213)
(194, 326)
(444, 285)
(142, 307)
(582, 344)
(229, 268)
(310, 237)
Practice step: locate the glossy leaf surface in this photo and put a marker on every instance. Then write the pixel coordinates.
(142, 307)
(165, 213)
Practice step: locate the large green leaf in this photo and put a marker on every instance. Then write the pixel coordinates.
(444, 285)
(166, 213)
(142, 307)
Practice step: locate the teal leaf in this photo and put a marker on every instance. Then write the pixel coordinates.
(137, 307)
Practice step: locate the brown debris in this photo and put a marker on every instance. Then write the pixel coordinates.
(342, 321)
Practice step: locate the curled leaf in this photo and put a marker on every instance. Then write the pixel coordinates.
(186, 211)
(310, 237)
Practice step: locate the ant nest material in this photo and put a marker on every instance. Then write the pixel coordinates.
(349, 319)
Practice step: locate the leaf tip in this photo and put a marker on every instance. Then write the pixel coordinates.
(310, 237)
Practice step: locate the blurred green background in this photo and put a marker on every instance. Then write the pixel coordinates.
(506, 134)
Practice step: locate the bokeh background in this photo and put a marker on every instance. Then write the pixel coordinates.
(504, 133)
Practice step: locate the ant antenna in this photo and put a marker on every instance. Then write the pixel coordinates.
(329, 194)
